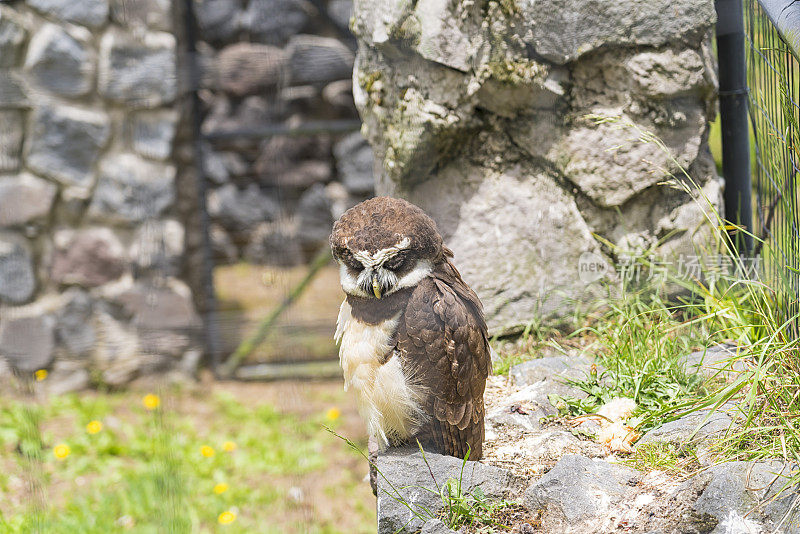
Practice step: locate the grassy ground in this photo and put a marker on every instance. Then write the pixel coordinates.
(220, 457)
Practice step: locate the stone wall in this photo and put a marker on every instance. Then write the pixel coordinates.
(478, 112)
(90, 249)
(100, 243)
(274, 200)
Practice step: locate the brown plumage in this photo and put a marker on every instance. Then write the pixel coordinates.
(409, 317)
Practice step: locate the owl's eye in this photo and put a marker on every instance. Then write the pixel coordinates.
(350, 260)
(396, 262)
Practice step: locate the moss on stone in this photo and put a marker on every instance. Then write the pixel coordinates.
(514, 71)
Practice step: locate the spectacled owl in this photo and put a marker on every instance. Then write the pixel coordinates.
(413, 343)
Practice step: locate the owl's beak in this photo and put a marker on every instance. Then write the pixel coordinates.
(376, 287)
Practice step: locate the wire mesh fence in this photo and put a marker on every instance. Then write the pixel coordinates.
(773, 79)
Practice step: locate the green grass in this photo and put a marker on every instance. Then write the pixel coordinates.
(664, 457)
(145, 471)
(640, 341)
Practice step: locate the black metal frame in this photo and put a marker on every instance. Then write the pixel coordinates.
(734, 121)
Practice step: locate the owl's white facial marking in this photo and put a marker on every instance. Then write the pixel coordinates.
(373, 260)
(414, 276)
(374, 280)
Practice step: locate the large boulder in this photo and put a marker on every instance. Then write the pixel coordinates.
(522, 129)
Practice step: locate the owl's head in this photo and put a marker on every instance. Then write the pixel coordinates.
(383, 245)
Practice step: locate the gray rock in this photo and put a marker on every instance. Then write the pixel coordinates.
(300, 175)
(486, 214)
(314, 59)
(12, 36)
(27, 339)
(17, 278)
(549, 367)
(354, 164)
(159, 307)
(274, 21)
(745, 488)
(61, 62)
(526, 407)
(11, 136)
(67, 377)
(315, 218)
(153, 133)
(12, 94)
(92, 13)
(564, 31)
(221, 166)
(155, 14)
(435, 526)
(409, 475)
(65, 142)
(274, 244)
(695, 427)
(25, 198)
(88, 257)
(219, 20)
(599, 171)
(341, 11)
(158, 248)
(253, 112)
(116, 351)
(249, 68)
(74, 327)
(579, 488)
(241, 210)
(718, 359)
(139, 73)
(222, 246)
(131, 189)
(339, 95)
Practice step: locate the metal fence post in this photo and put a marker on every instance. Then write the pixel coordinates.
(207, 275)
(734, 121)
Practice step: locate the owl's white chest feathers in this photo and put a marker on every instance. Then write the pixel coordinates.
(386, 400)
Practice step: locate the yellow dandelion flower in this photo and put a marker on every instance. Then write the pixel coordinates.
(93, 427)
(229, 446)
(220, 488)
(207, 451)
(333, 414)
(61, 451)
(151, 401)
(40, 374)
(226, 518)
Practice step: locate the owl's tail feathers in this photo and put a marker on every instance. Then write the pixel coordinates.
(449, 439)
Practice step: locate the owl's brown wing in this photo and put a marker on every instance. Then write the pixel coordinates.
(445, 341)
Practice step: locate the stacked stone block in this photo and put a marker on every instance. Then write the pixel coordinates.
(90, 247)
